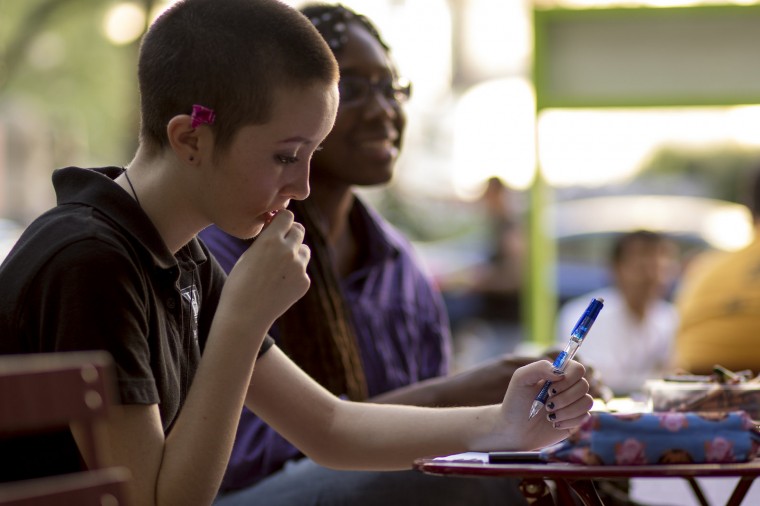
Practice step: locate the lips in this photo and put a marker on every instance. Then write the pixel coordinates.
(377, 144)
(385, 135)
(269, 216)
(382, 147)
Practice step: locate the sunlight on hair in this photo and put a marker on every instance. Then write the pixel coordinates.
(159, 8)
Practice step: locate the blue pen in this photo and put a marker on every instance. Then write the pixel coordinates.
(576, 339)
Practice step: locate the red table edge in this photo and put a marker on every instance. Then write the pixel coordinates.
(565, 470)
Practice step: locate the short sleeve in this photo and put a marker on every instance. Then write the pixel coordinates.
(91, 296)
(268, 342)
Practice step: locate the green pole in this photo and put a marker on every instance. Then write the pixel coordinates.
(541, 286)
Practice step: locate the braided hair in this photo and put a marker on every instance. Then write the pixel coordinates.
(331, 20)
(317, 332)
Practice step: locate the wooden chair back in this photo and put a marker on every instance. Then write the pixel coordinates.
(39, 392)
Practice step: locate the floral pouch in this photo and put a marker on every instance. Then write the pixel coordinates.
(659, 438)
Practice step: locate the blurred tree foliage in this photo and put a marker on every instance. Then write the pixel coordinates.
(57, 65)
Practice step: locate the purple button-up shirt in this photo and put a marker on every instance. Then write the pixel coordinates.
(401, 327)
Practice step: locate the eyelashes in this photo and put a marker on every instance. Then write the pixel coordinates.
(291, 159)
(286, 160)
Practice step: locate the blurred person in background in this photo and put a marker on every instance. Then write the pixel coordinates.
(719, 305)
(372, 327)
(633, 336)
(483, 299)
(498, 281)
(507, 248)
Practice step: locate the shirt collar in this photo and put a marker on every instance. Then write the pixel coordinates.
(383, 241)
(95, 188)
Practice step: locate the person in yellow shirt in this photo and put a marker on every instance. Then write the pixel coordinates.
(719, 306)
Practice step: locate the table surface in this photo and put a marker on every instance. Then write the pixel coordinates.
(564, 470)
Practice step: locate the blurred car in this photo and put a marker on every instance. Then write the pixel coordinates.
(585, 228)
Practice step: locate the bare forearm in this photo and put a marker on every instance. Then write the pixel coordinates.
(348, 435)
(400, 434)
(356, 435)
(197, 449)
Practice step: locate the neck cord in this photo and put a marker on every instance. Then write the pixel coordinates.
(134, 193)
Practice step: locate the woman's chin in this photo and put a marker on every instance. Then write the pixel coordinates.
(249, 231)
(256, 231)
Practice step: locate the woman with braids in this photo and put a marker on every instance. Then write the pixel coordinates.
(371, 326)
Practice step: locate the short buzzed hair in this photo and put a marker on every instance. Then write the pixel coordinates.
(227, 55)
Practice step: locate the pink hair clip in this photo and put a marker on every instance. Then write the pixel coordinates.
(202, 115)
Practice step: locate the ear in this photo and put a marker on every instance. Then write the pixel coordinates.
(188, 143)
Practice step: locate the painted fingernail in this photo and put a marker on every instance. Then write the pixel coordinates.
(550, 405)
(557, 425)
(554, 391)
(558, 372)
(551, 416)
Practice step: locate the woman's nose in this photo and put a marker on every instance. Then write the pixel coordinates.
(298, 187)
(378, 102)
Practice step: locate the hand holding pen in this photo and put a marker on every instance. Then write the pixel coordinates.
(576, 339)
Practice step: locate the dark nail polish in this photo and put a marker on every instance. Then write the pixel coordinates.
(552, 416)
(550, 405)
(554, 391)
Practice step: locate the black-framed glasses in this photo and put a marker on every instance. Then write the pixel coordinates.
(355, 90)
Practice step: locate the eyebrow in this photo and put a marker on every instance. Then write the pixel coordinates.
(298, 138)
